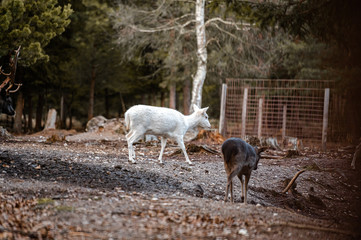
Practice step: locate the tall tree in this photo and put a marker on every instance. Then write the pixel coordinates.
(200, 76)
(95, 62)
(159, 34)
(31, 24)
(234, 47)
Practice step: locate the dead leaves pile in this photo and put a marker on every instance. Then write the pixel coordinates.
(209, 137)
(195, 224)
(19, 219)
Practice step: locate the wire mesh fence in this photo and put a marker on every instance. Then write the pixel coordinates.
(277, 108)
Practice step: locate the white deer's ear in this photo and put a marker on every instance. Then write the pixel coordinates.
(205, 109)
(195, 108)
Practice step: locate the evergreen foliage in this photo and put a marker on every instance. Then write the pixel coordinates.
(134, 50)
(31, 24)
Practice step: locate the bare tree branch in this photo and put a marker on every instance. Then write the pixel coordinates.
(235, 24)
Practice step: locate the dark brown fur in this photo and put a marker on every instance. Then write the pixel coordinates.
(240, 159)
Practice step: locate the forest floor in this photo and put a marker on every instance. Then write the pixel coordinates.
(79, 186)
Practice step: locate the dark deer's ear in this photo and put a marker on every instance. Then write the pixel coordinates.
(261, 149)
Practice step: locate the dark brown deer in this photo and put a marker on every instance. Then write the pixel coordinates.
(240, 159)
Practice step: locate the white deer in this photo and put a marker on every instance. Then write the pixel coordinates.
(163, 122)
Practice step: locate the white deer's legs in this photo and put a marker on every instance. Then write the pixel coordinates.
(163, 142)
(132, 137)
(181, 145)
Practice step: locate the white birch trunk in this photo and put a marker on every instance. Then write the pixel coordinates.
(200, 76)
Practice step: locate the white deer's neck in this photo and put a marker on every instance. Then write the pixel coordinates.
(191, 120)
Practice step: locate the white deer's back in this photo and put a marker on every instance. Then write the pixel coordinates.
(156, 120)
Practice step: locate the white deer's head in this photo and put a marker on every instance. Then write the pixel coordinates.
(202, 115)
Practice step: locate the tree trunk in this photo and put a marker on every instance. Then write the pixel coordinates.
(70, 121)
(30, 113)
(91, 93)
(70, 115)
(24, 130)
(39, 112)
(172, 95)
(19, 113)
(162, 99)
(186, 96)
(143, 99)
(62, 112)
(122, 108)
(106, 102)
(200, 76)
(154, 99)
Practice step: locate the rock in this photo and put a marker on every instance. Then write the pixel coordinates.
(270, 142)
(292, 143)
(101, 124)
(51, 119)
(252, 140)
(4, 134)
(95, 123)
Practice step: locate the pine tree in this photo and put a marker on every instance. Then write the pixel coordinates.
(31, 24)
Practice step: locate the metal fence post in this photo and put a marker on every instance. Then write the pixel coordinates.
(260, 106)
(222, 119)
(284, 121)
(244, 112)
(325, 118)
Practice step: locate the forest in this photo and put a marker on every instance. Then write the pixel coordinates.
(263, 70)
(92, 57)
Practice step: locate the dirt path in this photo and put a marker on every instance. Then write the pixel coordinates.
(86, 189)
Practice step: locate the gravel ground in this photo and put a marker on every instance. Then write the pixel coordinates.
(83, 187)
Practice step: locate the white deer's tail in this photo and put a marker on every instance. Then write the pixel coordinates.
(127, 120)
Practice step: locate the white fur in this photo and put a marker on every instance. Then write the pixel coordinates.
(163, 122)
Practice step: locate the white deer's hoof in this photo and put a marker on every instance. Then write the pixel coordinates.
(131, 161)
(191, 163)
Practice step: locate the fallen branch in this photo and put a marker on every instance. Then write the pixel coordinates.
(263, 156)
(210, 150)
(81, 234)
(293, 180)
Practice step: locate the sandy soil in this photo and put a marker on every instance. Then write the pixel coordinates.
(66, 185)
